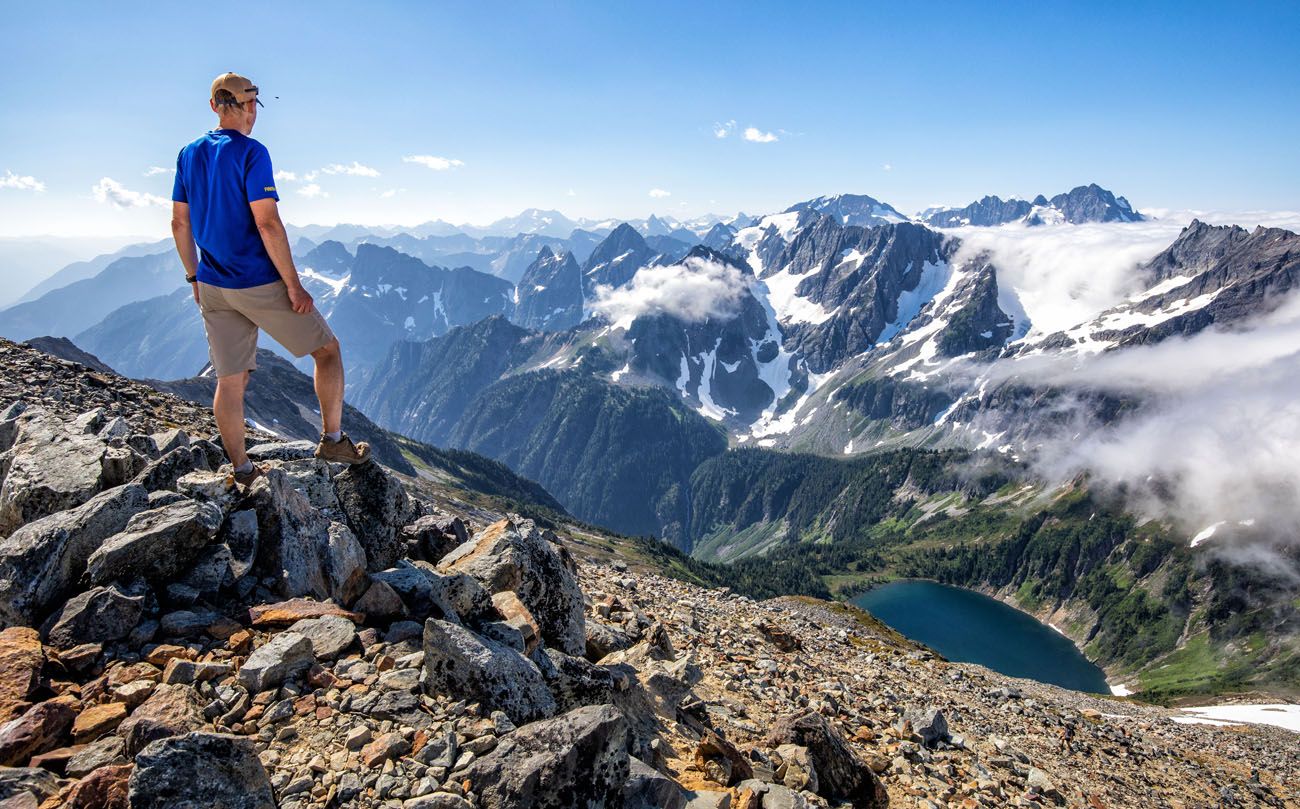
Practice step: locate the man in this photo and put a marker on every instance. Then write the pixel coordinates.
(243, 274)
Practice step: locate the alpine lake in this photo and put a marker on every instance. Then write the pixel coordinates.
(969, 627)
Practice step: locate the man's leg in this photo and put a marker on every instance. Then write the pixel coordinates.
(228, 408)
(329, 385)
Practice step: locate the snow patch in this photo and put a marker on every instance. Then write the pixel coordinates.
(790, 307)
(1278, 715)
(1206, 533)
(335, 284)
(934, 277)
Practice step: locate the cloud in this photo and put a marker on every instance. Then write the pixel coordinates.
(283, 176)
(572, 193)
(724, 129)
(22, 183)
(313, 191)
(756, 135)
(111, 191)
(153, 171)
(694, 290)
(392, 192)
(432, 162)
(354, 170)
(1063, 275)
(1210, 431)
(659, 193)
(887, 167)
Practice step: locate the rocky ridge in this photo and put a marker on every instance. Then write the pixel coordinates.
(347, 637)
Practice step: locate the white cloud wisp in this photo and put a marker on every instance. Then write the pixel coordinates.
(694, 290)
(433, 162)
(21, 182)
(114, 193)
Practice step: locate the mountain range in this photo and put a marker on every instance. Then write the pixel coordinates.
(736, 388)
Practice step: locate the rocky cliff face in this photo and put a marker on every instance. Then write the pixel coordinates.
(1085, 203)
(549, 295)
(337, 637)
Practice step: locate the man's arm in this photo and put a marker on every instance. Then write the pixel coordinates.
(184, 236)
(266, 214)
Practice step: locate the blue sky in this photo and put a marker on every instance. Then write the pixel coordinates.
(588, 107)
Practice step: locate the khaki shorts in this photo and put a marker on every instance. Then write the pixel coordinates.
(232, 317)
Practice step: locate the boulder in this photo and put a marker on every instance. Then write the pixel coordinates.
(300, 547)
(42, 561)
(105, 788)
(929, 724)
(519, 617)
(720, 760)
(513, 554)
(239, 536)
(97, 720)
(574, 681)
(21, 660)
(189, 672)
(297, 609)
(274, 662)
(387, 746)
(380, 601)
(41, 727)
(344, 564)
(171, 710)
(841, 775)
(168, 440)
(796, 770)
(87, 758)
(460, 663)
(10, 424)
(427, 593)
(432, 536)
(283, 451)
(603, 639)
(200, 771)
(315, 479)
(158, 544)
(770, 796)
(330, 635)
(175, 463)
(99, 615)
(144, 445)
(41, 784)
(376, 506)
(115, 427)
(212, 571)
(647, 788)
(578, 759)
(50, 469)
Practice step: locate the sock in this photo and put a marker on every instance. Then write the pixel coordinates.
(334, 437)
(246, 466)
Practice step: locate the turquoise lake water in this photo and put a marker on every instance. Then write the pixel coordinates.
(969, 627)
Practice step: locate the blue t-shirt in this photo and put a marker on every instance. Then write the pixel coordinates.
(218, 175)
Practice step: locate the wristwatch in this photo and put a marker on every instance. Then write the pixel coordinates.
(193, 279)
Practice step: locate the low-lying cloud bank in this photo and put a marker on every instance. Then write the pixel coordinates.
(1066, 274)
(1214, 446)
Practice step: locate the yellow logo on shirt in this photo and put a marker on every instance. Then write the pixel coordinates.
(268, 188)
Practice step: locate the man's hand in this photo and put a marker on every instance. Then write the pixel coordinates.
(300, 299)
(196, 293)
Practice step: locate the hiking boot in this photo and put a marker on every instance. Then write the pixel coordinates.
(246, 479)
(343, 450)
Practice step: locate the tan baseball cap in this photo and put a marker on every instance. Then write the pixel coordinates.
(241, 88)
